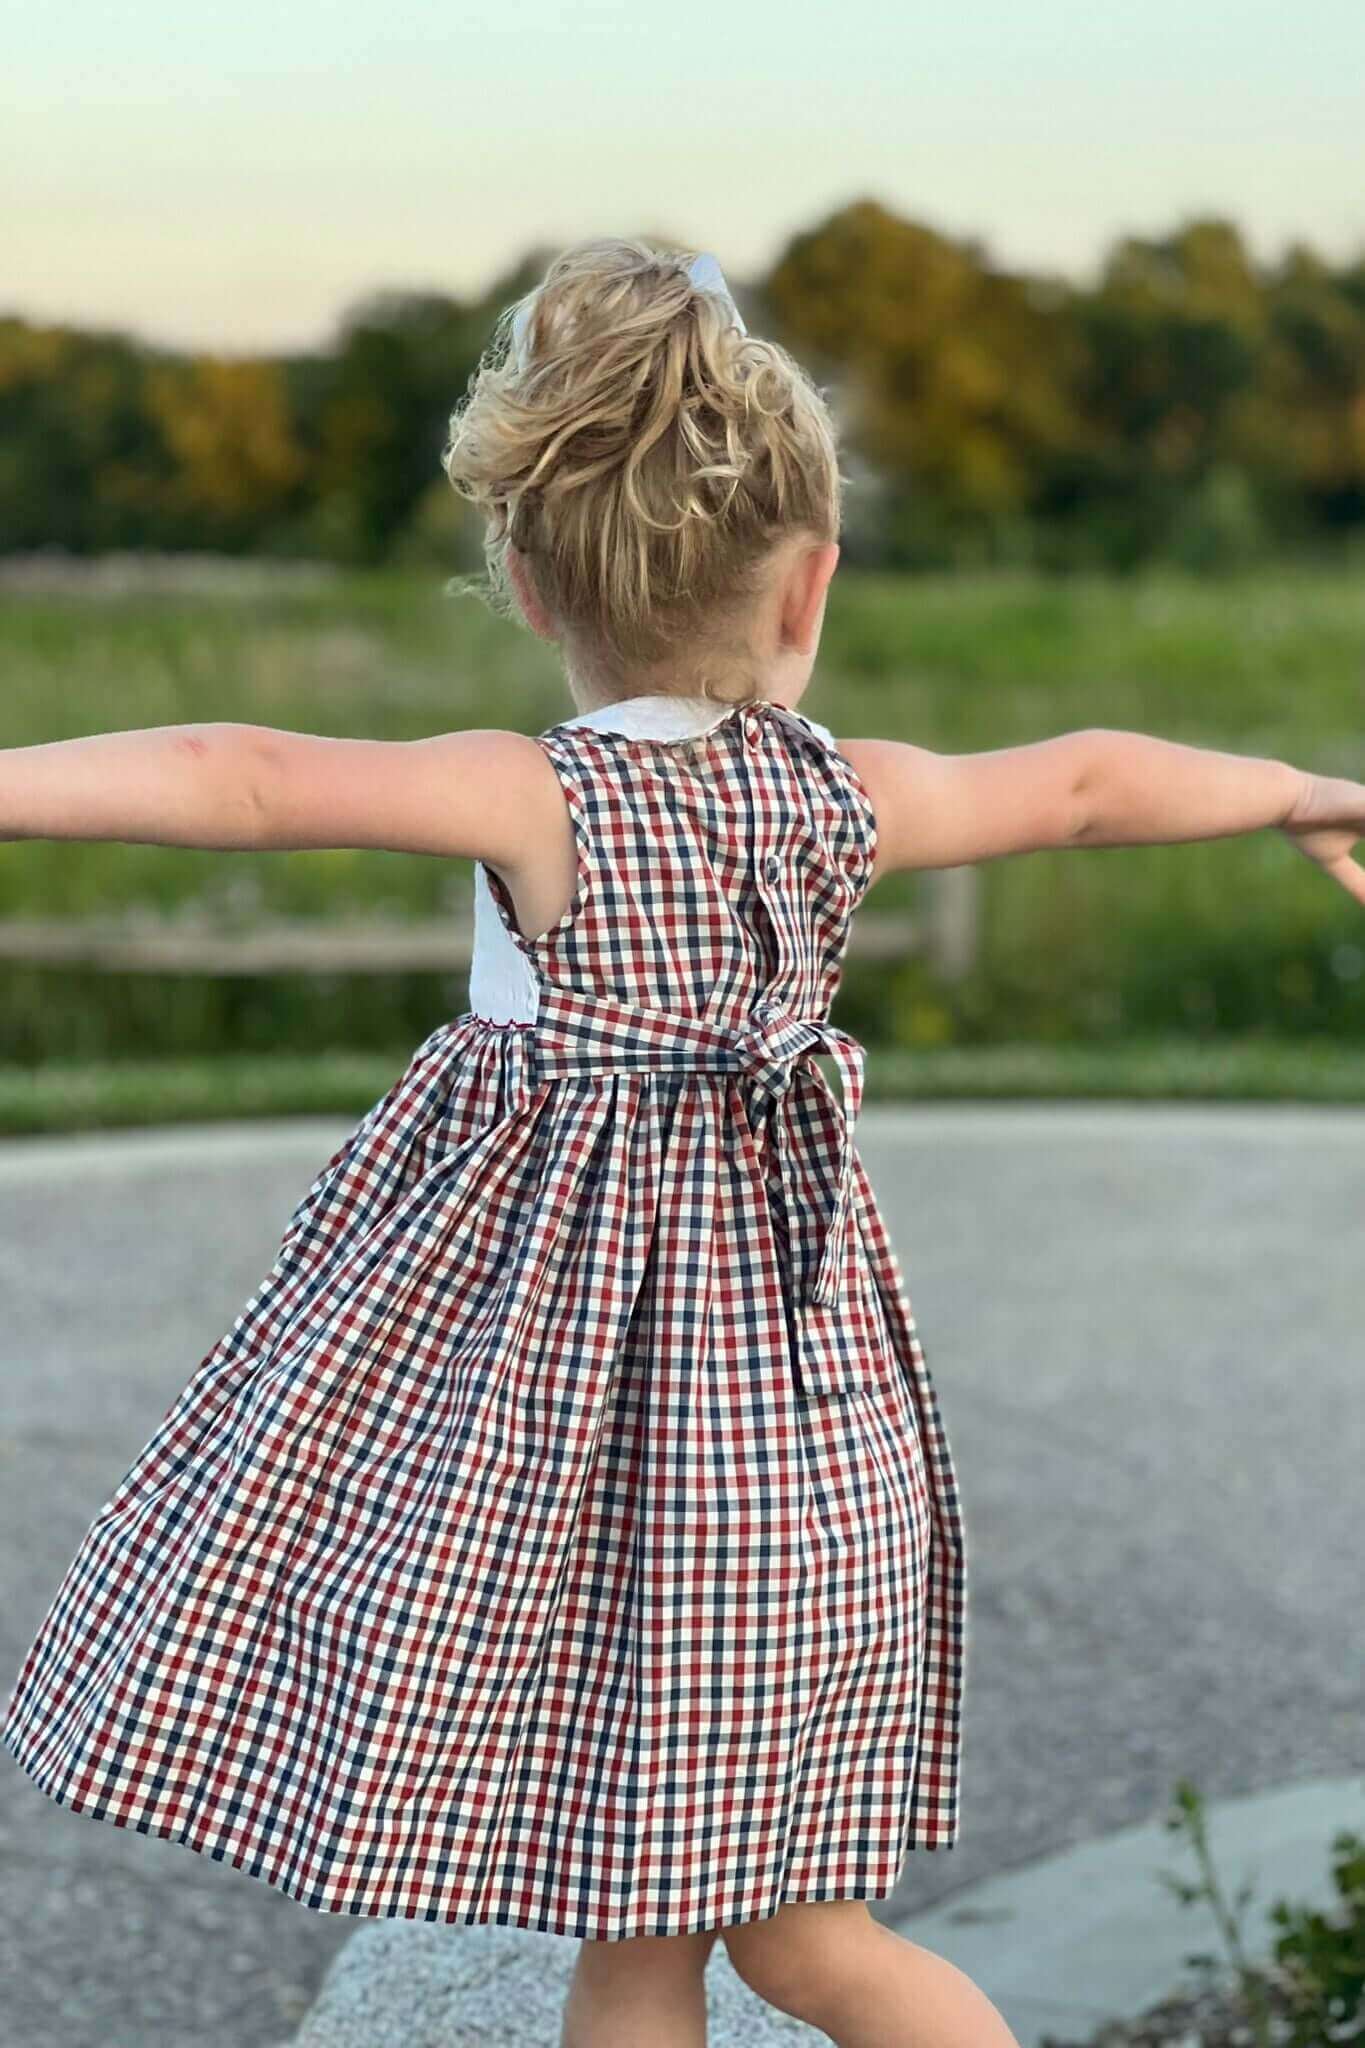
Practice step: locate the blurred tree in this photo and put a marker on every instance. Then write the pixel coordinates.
(1184, 405)
(950, 377)
(73, 424)
(1307, 425)
(1174, 337)
(381, 407)
(226, 426)
(374, 413)
(1185, 321)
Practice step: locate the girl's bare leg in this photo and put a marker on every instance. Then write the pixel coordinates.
(835, 1967)
(645, 1992)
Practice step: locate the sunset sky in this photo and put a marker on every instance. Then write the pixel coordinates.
(234, 179)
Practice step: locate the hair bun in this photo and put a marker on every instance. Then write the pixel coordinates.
(626, 433)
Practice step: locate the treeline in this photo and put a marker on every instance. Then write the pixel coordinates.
(1191, 404)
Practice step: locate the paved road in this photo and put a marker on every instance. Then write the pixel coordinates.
(1147, 1327)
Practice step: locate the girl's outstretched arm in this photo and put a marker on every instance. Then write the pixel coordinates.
(226, 786)
(1097, 788)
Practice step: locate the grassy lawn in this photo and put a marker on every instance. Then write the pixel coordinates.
(1272, 663)
(1091, 961)
(72, 1096)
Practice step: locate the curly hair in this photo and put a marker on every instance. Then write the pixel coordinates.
(643, 455)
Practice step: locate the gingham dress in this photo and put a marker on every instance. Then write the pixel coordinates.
(564, 1534)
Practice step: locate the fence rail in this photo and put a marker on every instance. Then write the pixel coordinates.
(945, 931)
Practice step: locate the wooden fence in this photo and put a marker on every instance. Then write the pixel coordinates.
(944, 929)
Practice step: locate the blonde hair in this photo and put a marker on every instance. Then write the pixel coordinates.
(643, 455)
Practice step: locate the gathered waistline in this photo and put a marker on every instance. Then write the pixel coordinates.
(577, 1033)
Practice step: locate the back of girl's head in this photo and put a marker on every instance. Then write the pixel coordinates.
(644, 456)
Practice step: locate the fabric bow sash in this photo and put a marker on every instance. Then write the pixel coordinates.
(577, 1033)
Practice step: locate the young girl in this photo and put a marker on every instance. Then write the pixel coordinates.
(565, 1533)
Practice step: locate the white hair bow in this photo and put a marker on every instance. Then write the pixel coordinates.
(704, 272)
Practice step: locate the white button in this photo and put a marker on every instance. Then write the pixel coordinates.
(772, 867)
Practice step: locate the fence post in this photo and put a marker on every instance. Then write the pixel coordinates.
(953, 920)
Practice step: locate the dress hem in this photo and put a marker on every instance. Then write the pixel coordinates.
(475, 1916)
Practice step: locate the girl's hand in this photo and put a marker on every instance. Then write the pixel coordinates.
(1327, 819)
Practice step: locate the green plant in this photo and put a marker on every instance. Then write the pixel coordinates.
(1312, 1993)
(1323, 1954)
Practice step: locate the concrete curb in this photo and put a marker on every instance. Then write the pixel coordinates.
(1091, 1934)
(410, 1984)
(1060, 1945)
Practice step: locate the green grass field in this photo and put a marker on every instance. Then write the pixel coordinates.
(1084, 952)
(71, 1096)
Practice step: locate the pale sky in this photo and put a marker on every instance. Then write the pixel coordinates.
(234, 178)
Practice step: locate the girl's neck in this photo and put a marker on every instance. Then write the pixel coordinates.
(687, 697)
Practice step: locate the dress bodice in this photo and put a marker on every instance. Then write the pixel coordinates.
(503, 987)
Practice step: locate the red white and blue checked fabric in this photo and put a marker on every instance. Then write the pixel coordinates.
(565, 1533)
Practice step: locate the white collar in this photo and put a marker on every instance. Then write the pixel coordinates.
(654, 716)
(659, 717)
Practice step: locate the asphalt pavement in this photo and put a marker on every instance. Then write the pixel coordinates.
(1146, 1329)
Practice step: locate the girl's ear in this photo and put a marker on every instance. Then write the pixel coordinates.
(534, 612)
(808, 584)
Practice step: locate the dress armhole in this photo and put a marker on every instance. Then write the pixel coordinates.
(857, 788)
(866, 812)
(564, 762)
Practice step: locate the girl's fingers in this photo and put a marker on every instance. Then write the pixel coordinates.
(1350, 874)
